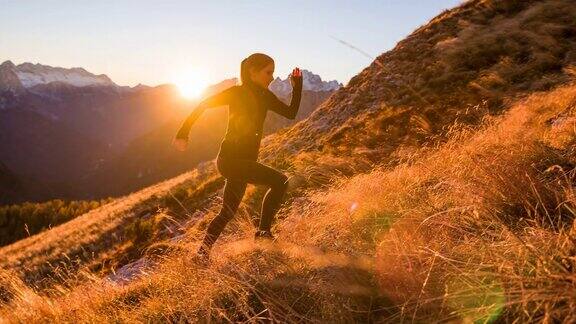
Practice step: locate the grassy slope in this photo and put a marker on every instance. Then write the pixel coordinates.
(342, 247)
(42, 254)
(481, 227)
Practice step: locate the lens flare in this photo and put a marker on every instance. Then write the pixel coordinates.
(353, 207)
(477, 299)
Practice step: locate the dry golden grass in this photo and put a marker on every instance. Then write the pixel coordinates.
(478, 228)
(412, 199)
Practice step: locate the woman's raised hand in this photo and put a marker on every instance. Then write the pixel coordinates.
(296, 77)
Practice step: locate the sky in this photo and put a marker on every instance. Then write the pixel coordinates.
(153, 42)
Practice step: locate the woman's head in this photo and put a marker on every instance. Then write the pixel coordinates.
(257, 68)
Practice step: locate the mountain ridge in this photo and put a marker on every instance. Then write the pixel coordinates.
(27, 75)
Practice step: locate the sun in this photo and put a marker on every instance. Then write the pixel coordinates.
(191, 82)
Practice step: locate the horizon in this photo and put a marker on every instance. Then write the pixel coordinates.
(57, 36)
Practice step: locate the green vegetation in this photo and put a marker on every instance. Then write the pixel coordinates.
(18, 221)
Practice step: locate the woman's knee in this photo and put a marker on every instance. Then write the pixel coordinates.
(233, 193)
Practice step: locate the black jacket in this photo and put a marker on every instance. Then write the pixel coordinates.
(247, 108)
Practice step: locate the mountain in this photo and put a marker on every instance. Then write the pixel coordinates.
(9, 80)
(59, 115)
(462, 66)
(310, 82)
(73, 121)
(54, 156)
(15, 79)
(87, 102)
(436, 186)
(30, 75)
(9, 185)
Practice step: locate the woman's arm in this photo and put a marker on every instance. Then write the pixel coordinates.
(220, 99)
(184, 130)
(288, 111)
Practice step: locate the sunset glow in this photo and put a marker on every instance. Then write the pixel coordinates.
(191, 82)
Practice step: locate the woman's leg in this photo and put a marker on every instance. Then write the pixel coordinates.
(271, 204)
(254, 172)
(233, 192)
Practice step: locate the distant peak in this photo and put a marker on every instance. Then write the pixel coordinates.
(7, 63)
(9, 81)
(32, 74)
(310, 82)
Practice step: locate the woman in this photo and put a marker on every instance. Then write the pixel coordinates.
(248, 104)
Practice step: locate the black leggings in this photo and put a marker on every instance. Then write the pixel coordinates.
(238, 173)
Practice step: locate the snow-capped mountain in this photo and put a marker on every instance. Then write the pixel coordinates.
(29, 75)
(311, 82)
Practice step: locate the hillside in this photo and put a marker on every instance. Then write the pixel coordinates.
(437, 185)
(61, 125)
(10, 185)
(461, 66)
